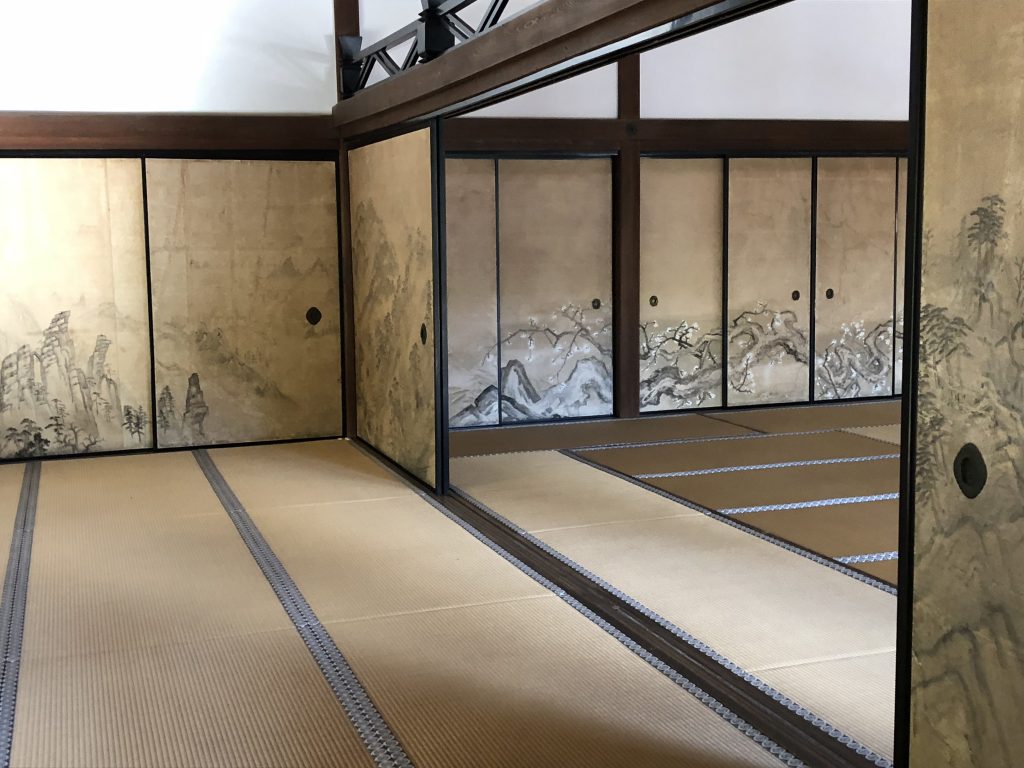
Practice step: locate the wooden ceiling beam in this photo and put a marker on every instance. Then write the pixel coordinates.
(543, 36)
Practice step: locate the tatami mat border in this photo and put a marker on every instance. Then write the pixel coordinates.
(877, 557)
(377, 737)
(722, 518)
(757, 467)
(837, 502)
(697, 440)
(13, 603)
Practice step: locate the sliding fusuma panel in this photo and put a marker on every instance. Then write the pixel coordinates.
(391, 193)
(74, 335)
(967, 662)
(246, 312)
(855, 258)
(472, 261)
(681, 256)
(769, 280)
(555, 296)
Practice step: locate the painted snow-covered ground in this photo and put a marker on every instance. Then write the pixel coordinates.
(560, 369)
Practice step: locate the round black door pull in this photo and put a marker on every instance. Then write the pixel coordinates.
(830, 294)
(314, 316)
(423, 333)
(970, 471)
(654, 301)
(796, 295)
(596, 303)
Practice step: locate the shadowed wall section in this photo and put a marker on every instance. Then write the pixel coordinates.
(968, 664)
(393, 291)
(247, 320)
(74, 338)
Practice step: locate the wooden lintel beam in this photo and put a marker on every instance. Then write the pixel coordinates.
(716, 137)
(154, 132)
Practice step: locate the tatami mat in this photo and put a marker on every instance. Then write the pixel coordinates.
(834, 531)
(543, 510)
(426, 568)
(531, 684)
(820, 416)
(252, 700)
(651, 459)
(153, 639)
(888, 570)
(890, 433)
(787, 485)
(578, 434)
(756, 603)
(340, 476)
(470, 662)
(868, 682)
(846, 465)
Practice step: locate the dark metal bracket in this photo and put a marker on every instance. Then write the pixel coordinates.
(438, 29)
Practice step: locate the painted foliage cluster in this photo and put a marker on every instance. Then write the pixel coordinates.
(74, 340)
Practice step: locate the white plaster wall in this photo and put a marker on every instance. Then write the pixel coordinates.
(256, 56)
(810, 59)
(593, 94)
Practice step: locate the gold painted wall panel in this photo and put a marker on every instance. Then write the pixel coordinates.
(968, 660)
(240, 251)
(555, 246)
(855, 261)
(74, 338)
(901, 273)
(769, 260)
(393, 265)
(681, 244)
(472, 254)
